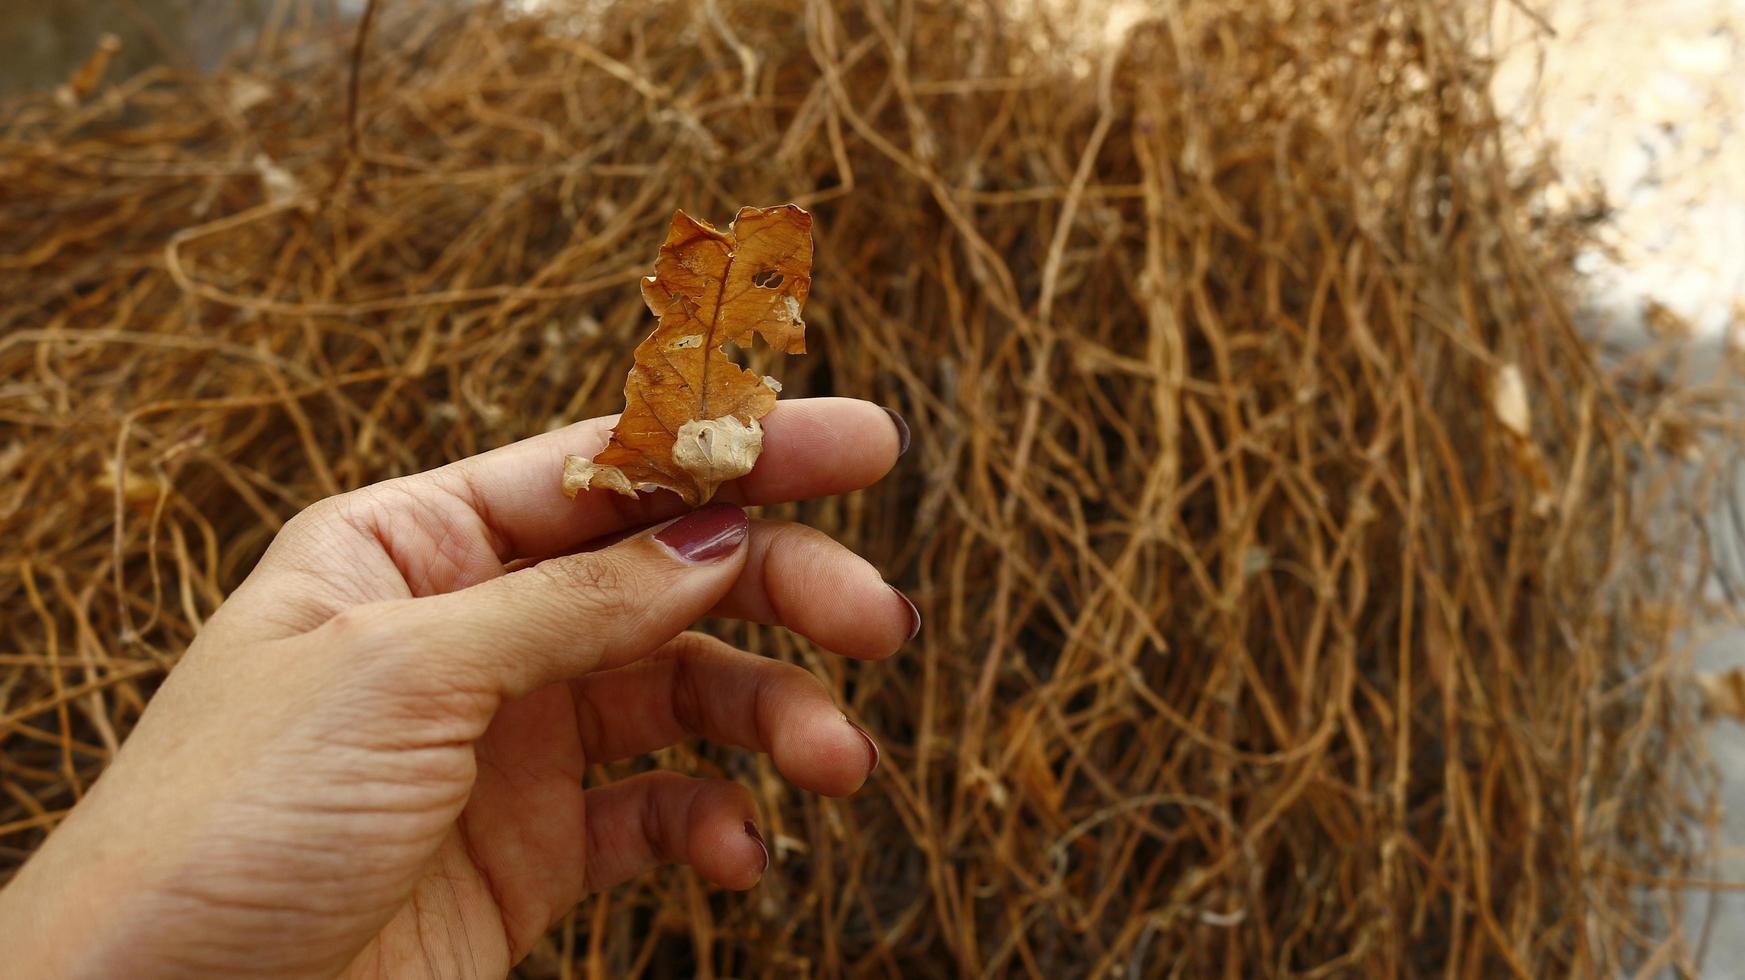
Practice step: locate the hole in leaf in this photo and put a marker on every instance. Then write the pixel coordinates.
(768, 279)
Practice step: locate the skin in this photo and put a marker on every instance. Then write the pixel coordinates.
(371, 761)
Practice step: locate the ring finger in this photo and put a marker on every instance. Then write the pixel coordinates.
(699, 687)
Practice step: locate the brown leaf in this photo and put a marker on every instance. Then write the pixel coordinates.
(690, 414)
(1724, 693)
(89, 74)
(1509, 402)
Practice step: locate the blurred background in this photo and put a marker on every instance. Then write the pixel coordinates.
(47, 39)
(1616, 140)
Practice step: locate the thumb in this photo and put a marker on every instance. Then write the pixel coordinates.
(568, 616)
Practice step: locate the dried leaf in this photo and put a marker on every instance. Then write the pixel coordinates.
(245, 92)
(1724, 693)
(139, 490)
(85, 80)
(1509, 400)
(280, 185)
(690, 413)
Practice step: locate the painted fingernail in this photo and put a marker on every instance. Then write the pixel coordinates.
(902, 430)
(872, 747)
(751, 831)
(707, 534)
(914, 614)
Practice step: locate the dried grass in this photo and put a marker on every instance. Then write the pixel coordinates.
(1257, 641)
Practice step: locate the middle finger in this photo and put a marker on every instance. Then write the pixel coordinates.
(699, 687)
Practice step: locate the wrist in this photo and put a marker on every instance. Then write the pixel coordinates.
(59, 915)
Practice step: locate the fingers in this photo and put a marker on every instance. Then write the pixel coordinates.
(812, 448)
(575, 614)
(571, 615)
(799, 577)
(638, 824)
(698, 686)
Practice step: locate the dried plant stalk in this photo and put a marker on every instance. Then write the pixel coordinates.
(1265, 633)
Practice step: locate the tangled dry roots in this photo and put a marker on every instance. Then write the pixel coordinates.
(1257, 642)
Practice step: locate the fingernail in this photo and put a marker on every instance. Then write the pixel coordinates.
(706, 534)
(914, 614)
(902, 430)
(872, 747)
(751, 831)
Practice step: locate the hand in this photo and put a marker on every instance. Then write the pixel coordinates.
(371, 760)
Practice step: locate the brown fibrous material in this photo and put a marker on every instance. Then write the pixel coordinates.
(1257, 642)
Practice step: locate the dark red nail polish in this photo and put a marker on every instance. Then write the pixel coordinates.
(707, 534)
(751, 831)
(902, 430)
(914, 614)
(872, 747)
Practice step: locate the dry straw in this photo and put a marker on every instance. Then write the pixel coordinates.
(1294, 600)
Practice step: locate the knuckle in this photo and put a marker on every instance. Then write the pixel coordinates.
(793, 535)
(366, 637)
(359, 626)
(382, 640)
(604, 585)
(321, 514)
(686, 697)
(791, 676)
(378, 638)
(661, 791)
(344, 512)
(692, 645)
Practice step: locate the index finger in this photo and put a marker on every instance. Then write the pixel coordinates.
(812, 447)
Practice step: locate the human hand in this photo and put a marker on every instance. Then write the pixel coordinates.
(371, 759)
